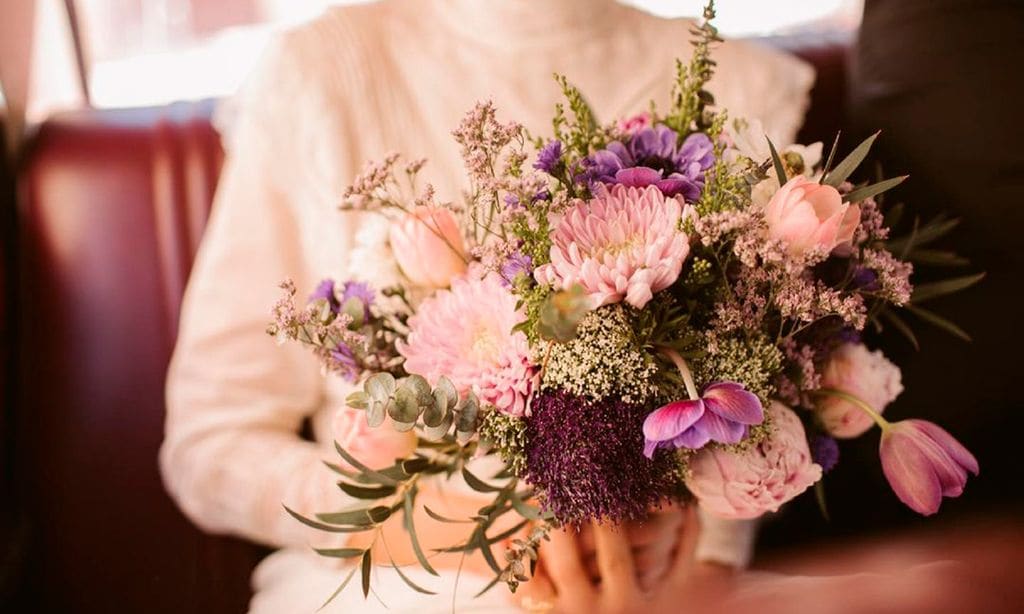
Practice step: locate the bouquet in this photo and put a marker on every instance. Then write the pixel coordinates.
(665, 307)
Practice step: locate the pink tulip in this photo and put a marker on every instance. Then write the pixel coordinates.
(428, 247)
(808, 215)
(924, 463)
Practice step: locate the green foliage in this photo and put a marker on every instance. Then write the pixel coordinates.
(411, 401)
(560, 314)
(690, 99)
(582, 131)
(754, 362)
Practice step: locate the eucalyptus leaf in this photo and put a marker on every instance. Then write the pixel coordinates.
(380, 386)
(490, 585)
(899, 324)
(440, 518)
(476, 483)
(936, 257)
(935, 229)
(874, 189)
(419, 385)
(403, 427)
(468, 414)
(376, 413)
(409, 582)
(845, 168)
(340, 588)
(438, 432)
(446, 389)
(322, 526)
(524, 509)
(405, 407)
(360, 517)
(358, 400)
(482, 543)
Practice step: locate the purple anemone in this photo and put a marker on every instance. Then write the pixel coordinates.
(723, 414)
(653, 156)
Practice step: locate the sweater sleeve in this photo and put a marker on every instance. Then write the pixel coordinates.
(236, 401)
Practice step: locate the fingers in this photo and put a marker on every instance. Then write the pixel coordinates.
(615, 563)
(689, 533)
(537, 595)
(561, 560)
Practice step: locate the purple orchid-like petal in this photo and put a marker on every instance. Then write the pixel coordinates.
(734, 403)
(637, 177)
(720, 429)
(668, 422)
(692, 438)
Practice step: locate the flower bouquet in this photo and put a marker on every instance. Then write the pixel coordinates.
(660, 308)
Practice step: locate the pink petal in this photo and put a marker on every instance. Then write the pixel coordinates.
(720, 429)
(637, 177)
(692, 438)
(730, 401)
(670, 421)
(910, 474)
(947, 442)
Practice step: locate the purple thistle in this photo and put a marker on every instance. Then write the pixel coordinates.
(516, 264)
(825, 452)
(325, 290)
(653, 156)
(549, 157)
(585, 457)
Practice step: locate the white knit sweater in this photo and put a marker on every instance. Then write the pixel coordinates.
(351, 86)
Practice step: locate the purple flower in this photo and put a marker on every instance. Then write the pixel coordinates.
(825, 452)
(549, 157)
(325, 290)
(723, 414)
(359, 291)
(653, 156)
(345, 360)
(584, 456)
(515, 265)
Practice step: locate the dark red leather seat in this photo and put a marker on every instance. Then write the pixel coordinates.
(113, 207)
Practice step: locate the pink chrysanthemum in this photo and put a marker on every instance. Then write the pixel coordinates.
(465, 333)
(625, 243)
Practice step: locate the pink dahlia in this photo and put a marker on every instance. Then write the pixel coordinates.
(465, 333)
(625, 243)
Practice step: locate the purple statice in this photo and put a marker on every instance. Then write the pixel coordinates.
(326, 290)
(653, 156)
(344, 362)
(586, 457)
(865, 279)
(825, 452)
(549, 158)
(516, 264)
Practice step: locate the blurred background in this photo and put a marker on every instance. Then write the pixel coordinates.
(111, 161)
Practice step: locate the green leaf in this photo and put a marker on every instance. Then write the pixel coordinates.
(440, 518)
(406, 407)
(894, 215)
(412, 466)
(365, 572)
(831, 156)
(409, 522)
(936, 320)
(468, 414)
(380, 386)
(780, 168)
(485, 549)
(368, 473)
(447, 391)
(898, 323)
(321, 526)
(936, 257)
(410, 583)
(524, 509)
(926, 292)
(935, 229)
(819, 495)
(376, 413)
(490, 585)
(844, 169)
(436, 433)
(358, 400)
(476, 483)
(340, 553)
(873, 190)
(360, 517)
(366, 492)
(340, 588)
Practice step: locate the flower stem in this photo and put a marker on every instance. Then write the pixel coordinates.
(858, 403)
(684, 369)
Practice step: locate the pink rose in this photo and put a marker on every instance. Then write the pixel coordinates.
(808, 215)
(428, 247)
(374, 447)
(759, 479)
(866, 375)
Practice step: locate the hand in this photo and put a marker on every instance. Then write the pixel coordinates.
(563, 584)
(653, 542)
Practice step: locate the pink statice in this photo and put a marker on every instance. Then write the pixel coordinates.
(893, 275)
(872, 223)
(465, 333)
(624, 244)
